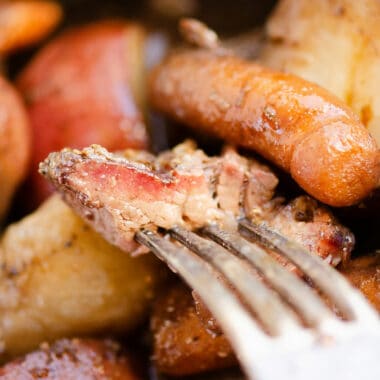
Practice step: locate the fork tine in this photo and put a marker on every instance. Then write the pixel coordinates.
(348, 300)
(245, 335)
(294, 290)
(266, 304)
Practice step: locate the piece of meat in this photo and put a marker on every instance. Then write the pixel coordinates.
(182, 345)
(296, 124)
(315, 228)
(364, 273)
(74, 359)
(118, 196)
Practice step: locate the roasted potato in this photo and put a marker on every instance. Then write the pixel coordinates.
(182, 344)
(335, 43)
(24, 22)
(14, 143)
(364, 273)
(58, 278)
(84, 359)
(85, 87)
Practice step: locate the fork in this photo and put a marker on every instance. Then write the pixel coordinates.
(278, 325)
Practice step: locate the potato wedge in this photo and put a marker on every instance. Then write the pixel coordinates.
(59, 278)
(335, 43)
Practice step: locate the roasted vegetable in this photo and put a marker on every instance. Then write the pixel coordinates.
(58, 278)
(335, 43)
(182, 344)
(76, 359)
(14, 143)
(86, 86)
(364, 273)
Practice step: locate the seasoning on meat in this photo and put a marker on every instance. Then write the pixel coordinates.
(185, 187)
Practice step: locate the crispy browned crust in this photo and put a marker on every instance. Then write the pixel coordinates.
(364, 273)
(182, 345)
(72, 360)
(296, 124)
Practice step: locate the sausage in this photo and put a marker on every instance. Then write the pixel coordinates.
(293, 123)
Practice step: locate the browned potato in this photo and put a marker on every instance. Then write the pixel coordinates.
(84, 87)
(182, 344)
(84, 359)
(24, 22)
(14, 143)
(364, 273)
(335, 43)
(58, 278)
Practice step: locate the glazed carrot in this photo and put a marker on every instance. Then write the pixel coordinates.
(297, 125)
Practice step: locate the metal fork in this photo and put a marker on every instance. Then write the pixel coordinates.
(279, 326)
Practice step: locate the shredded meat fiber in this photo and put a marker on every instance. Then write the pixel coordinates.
(119, 194)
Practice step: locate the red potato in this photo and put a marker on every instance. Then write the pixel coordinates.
(86, 87)
(24, 22)
(296, 124)
(14, 143)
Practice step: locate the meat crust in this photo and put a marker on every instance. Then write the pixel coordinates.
(296, 124)
(74, 359)
(118, 196)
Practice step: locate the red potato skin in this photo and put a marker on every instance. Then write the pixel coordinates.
(82, 89)
(15, 143)
(295, 124)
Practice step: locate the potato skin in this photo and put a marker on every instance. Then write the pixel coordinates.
(85, 87)
(15, 144)
(24, 22)
(58, 278)
(75, 359)
(296, 124)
